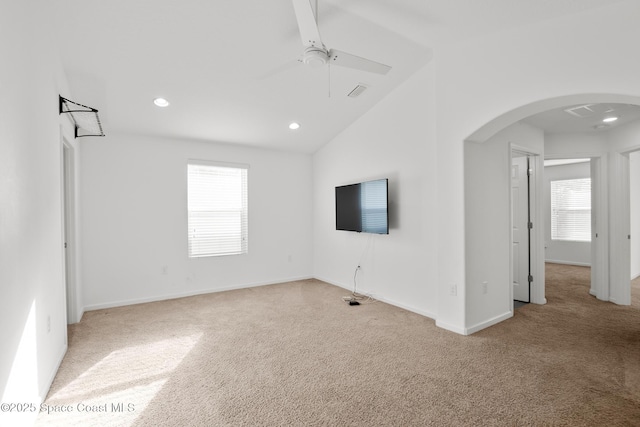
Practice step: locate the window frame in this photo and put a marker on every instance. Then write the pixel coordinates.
(243, 243)
(572, 208)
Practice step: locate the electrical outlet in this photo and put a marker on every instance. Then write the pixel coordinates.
(454, 290)
(485, 287)
(165, 269)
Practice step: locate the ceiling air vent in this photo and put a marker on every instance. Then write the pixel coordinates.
(357, 91)
(581, 111)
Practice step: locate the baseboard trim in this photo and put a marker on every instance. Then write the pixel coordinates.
(164, 297)
(410, 308)
(579, 264)
(487, 323)
(451, 328)
(394, 303)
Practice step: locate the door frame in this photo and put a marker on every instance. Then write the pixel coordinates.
(600, 219)
(523, 179)
(536, 249)
(627, 153)
(68, 203)
(620, 248)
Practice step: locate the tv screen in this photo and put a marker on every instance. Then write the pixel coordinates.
(363, 207)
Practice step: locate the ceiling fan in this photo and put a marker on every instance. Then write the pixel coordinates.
(316, 53)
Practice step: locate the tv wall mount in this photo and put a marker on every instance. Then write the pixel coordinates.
(85, 119)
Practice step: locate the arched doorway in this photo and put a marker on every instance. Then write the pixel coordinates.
(487, 203)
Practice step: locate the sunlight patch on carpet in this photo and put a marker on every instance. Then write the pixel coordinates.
(117, 389)
(119, 409)
(129, 366)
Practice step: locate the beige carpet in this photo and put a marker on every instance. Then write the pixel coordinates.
(295, 354)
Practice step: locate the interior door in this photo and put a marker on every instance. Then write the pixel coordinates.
(520, 224)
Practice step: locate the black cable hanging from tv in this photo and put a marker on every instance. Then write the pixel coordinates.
(84, 118)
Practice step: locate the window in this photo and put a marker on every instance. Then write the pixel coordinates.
(571, 210)
(217, 209)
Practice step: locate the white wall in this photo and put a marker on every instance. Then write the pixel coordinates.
(487, 169)
(31, 256)
(134, 194)
(488, 77)
(394, 140)
(558, 251)
(575, 145)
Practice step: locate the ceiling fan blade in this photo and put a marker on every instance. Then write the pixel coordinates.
(307, 23)
(344, 59)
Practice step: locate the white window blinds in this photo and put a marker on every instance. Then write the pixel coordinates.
(571, 210)
(217, 209)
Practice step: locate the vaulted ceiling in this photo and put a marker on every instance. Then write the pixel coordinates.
(229, 68)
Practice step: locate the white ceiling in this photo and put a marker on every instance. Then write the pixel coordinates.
(229, 67)
(584, 118)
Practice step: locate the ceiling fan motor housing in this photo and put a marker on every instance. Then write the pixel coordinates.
(315, 56)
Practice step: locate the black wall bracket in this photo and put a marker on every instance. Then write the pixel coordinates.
(85, 119)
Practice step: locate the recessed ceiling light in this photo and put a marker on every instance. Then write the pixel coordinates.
(161, 102)
(294, 126)
(609, 119)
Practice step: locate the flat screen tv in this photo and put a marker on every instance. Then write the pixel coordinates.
(363, 207)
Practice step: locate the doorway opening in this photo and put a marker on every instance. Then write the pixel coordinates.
(571, 221)
(489, 247)
(69, 220)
